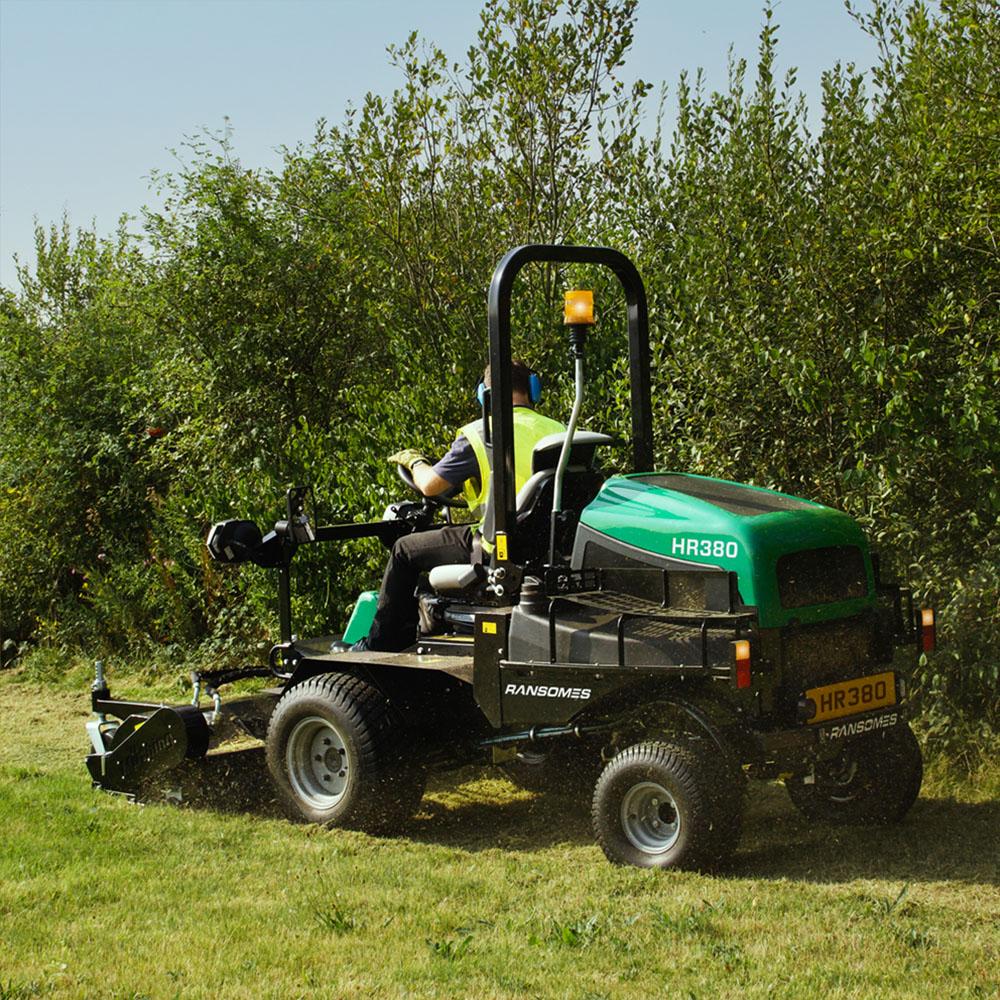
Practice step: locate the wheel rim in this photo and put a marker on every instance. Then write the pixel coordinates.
(319, 766)
(842, 785)
(650, 818)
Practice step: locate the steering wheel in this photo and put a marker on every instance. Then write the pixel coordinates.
(449, 498)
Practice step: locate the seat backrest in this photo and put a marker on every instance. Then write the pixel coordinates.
(534, 500)
(534, 505)
(545, 458)
(529, 491)
(534, 511)
(545, 454)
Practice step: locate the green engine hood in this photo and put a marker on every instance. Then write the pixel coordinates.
(741, 529)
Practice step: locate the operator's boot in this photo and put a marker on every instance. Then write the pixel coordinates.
(361, 646)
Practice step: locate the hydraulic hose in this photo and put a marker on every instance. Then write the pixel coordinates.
(564, 454)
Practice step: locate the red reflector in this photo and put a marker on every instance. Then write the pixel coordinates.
(928, 630)
(741, 648)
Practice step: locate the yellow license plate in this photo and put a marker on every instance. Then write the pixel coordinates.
(834, 701)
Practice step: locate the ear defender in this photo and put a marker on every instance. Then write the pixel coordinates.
(534, 389)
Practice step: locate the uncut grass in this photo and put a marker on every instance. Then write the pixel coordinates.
(493, 893)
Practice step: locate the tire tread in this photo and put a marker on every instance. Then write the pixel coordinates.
(701, 779)
(390, 787)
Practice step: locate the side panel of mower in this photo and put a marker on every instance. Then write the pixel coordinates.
(361, 617)
(555, 694)
(583, 635)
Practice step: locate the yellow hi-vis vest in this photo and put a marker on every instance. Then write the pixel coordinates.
(529, 428)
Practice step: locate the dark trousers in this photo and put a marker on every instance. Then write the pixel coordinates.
(395, 624)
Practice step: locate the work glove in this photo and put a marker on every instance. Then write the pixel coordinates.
(409, 457)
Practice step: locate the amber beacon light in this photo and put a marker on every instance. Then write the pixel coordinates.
(578, 308)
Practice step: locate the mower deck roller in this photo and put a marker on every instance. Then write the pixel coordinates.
(651, 639)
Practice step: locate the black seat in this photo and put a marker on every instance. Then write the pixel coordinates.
(534, 519)
(581, 482)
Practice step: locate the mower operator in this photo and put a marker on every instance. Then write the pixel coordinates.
(467, 465)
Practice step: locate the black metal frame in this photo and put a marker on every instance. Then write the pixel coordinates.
(501, 405)
(289, 534)
(581, 586)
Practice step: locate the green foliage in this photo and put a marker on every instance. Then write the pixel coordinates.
(823, 305)
(826, 308)
(10, 990)
(694, 921)
(577, 933)
(73, 494)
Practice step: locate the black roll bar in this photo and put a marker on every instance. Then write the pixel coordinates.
(501, 407)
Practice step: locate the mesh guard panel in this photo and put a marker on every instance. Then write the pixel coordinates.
(821, 576)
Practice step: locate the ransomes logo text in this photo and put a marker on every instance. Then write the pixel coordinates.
(708, 548)
(863, 726)
(547, 691)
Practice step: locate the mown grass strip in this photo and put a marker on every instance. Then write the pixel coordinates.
(493, 893)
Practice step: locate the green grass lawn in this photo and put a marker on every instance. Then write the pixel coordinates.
(492, 893)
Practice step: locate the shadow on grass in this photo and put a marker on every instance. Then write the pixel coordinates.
(474, 810)
(940, 840)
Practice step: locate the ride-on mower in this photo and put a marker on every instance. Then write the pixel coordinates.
(662, 636)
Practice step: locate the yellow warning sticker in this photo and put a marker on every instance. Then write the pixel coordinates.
(490, 628)
(502, 546)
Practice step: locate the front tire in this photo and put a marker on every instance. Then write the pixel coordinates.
(872, 781)
(668, 805)
(335, 751)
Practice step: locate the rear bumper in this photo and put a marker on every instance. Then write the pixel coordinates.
(806, 742)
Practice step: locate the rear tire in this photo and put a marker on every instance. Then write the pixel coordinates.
(872, 781)
(668, 805)
(336, 753)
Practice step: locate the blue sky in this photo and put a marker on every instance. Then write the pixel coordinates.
(94, 93)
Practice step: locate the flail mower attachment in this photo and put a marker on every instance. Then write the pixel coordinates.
(131, 741)
(144, 745)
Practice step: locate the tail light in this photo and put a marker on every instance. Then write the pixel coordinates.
(741, 652)
(928, 630)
